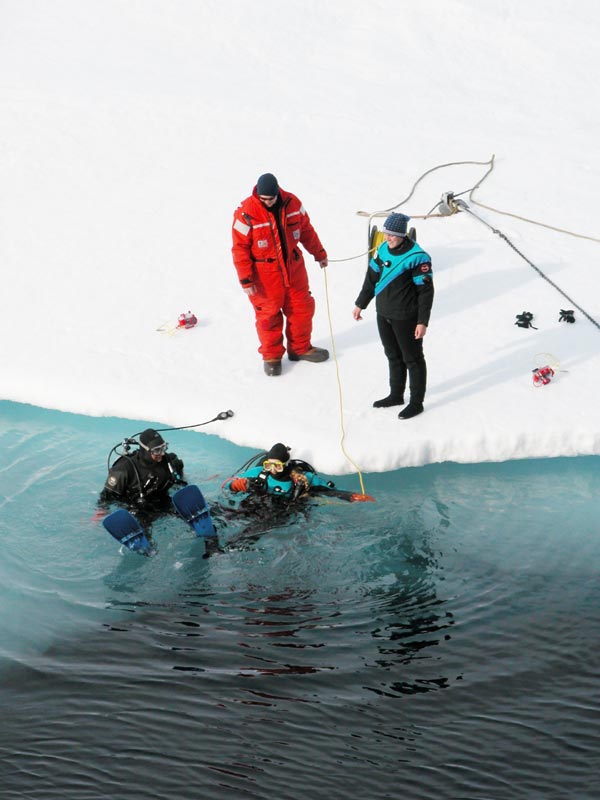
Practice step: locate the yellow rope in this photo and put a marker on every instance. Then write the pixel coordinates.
(337, 372)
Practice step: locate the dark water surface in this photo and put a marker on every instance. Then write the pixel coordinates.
(440, 643)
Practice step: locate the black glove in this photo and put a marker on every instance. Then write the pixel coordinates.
(175, 463)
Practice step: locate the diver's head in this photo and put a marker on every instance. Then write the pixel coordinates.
(153, 445)
(276, 459)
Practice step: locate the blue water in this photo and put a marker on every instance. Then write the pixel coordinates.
(440, 643)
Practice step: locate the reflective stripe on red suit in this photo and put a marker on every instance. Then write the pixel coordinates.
(281, 284)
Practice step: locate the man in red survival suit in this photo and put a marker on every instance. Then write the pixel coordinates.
(268, 228)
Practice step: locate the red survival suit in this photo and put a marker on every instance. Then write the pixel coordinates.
(276, 269)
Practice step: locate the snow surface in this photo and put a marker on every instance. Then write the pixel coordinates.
(129, 132)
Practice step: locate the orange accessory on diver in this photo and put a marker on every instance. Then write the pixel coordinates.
(239, 485)
(361, 498)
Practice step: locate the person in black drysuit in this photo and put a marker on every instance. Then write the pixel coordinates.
(141, 480)
(399, 277)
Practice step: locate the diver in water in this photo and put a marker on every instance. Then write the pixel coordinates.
(142, 478)
(272, 485)
(140, 481)
(279, 476)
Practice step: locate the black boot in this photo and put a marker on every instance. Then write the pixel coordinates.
(417, 376)
(397, 370)
(411, 410)
(314, 354)
(272, 366)
(390, 400)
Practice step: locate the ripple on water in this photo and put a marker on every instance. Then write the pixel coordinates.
(438, 643)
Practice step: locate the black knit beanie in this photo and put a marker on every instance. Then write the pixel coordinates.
(267, 186)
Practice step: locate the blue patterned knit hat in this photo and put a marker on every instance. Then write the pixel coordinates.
(396, 224)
